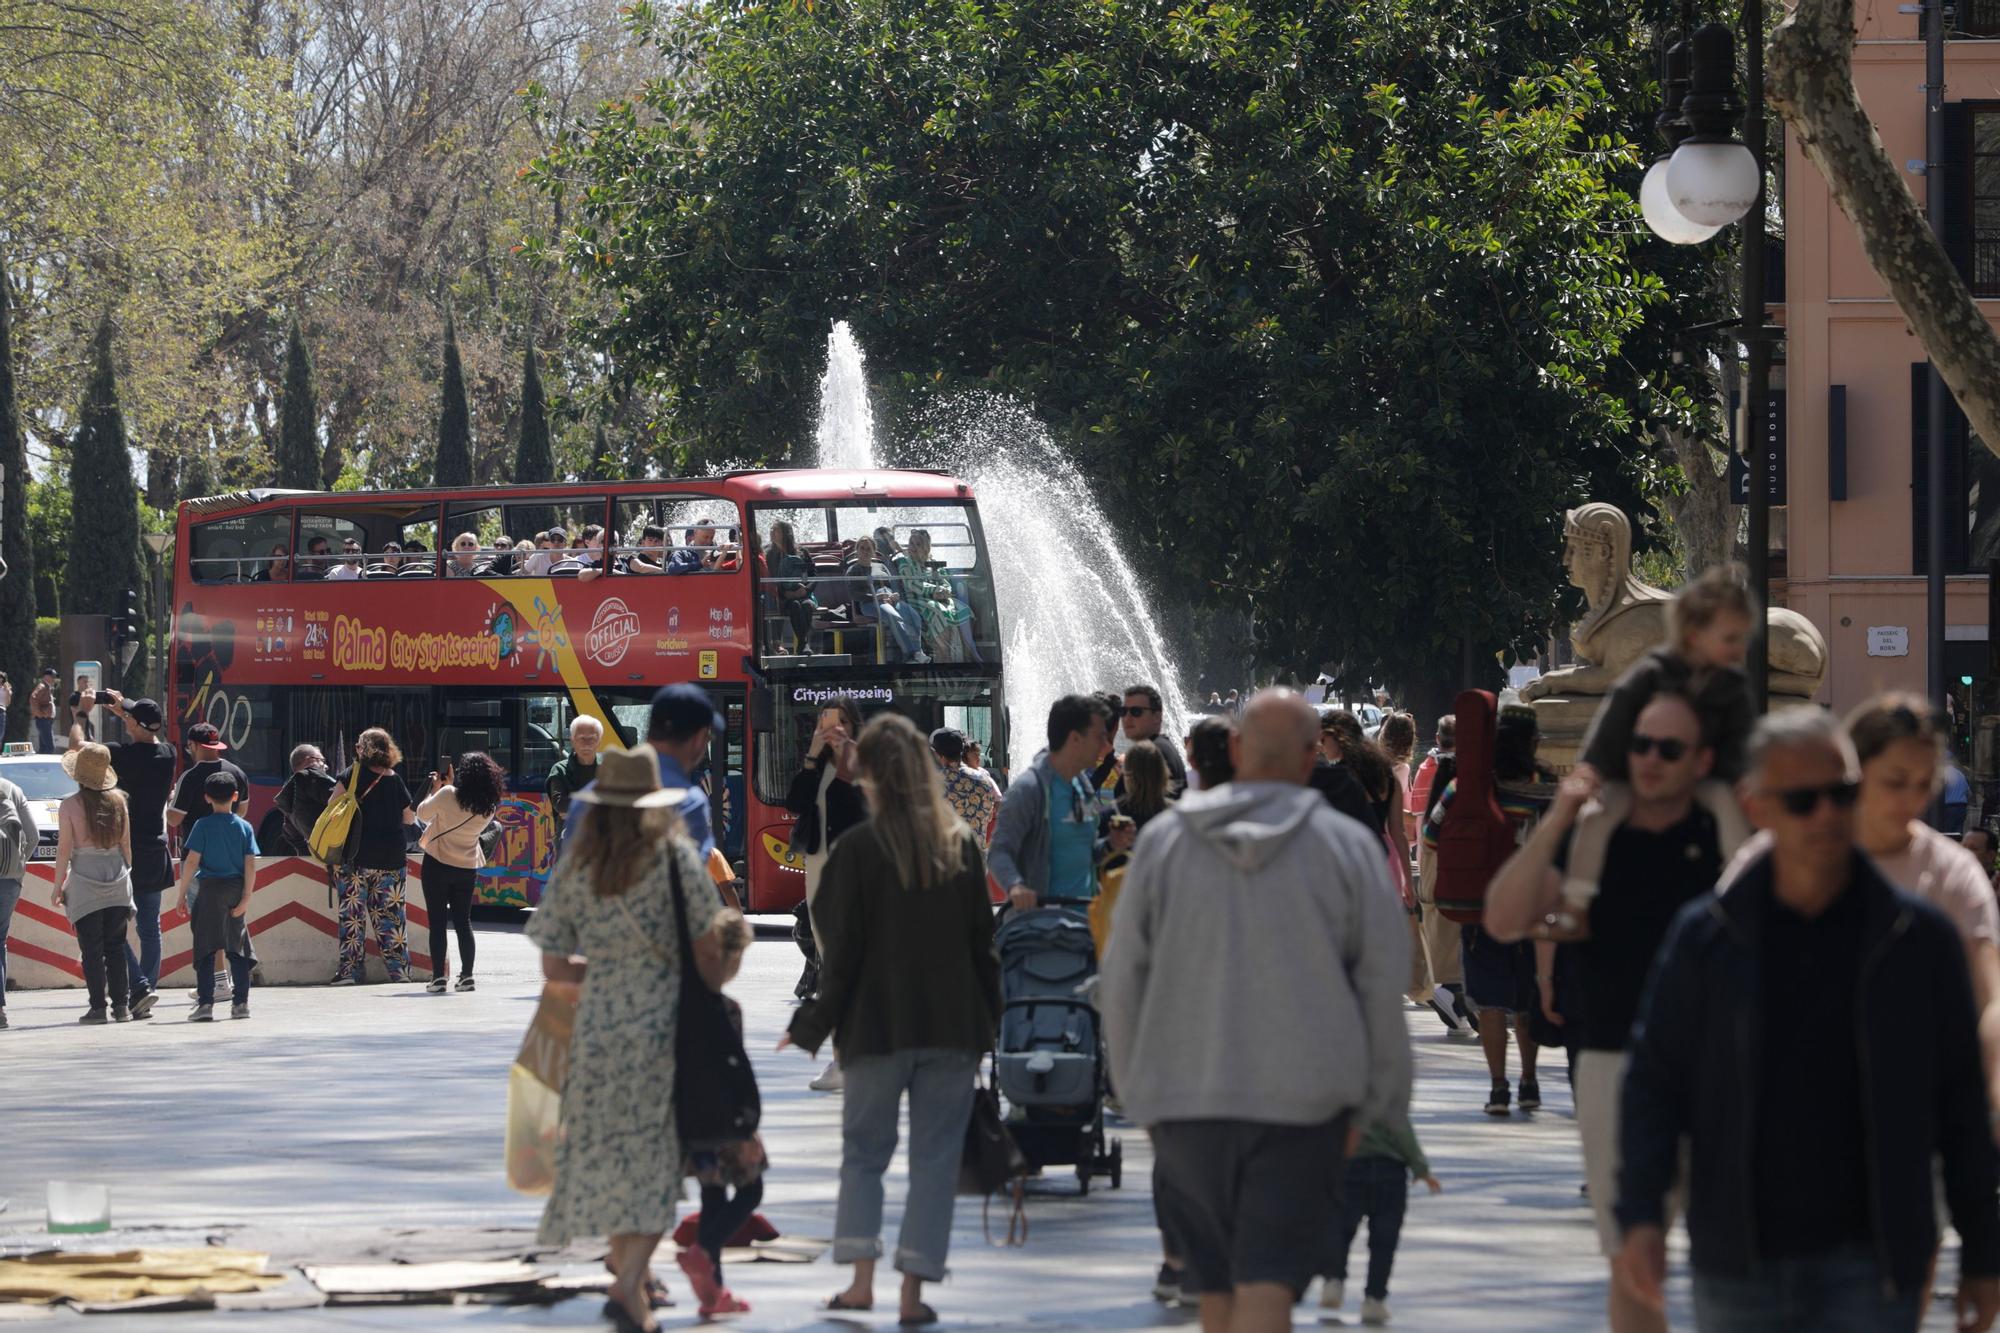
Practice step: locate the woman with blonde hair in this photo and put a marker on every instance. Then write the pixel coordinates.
(93, 877)
(910, 990)
(608, 927)
(369, 877)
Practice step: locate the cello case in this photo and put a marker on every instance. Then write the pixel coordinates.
(1476, 838)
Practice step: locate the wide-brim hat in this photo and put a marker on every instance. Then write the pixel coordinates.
(90, 766)
(629, 778)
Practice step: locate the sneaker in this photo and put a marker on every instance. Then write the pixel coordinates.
(920, 659)
(464, 984)
(94, 1018)
(1531, 1095)
(355, 980)
(120, 1014)
(144, 1004)
(202, 1013)
(1374, 1311)
(223, 987)
(436, 987)
(1333, 1293)
(3, 1018)
(830, 1079)
(1445, 1015)
(241, 1009)
(1496, 1101)
(1167, 1286)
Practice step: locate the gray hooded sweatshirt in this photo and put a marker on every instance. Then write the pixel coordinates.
(1257, 964)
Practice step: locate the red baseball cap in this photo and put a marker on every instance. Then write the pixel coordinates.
(206, 736)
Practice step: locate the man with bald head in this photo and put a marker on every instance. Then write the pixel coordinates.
(1810, 1195)
(1666, 853)
(1252, 1001)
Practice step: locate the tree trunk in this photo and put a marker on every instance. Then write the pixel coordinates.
(1704, 520)
(1812, 82)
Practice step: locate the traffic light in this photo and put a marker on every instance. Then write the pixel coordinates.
(124, 626)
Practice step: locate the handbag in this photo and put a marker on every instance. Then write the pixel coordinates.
(715, 1090)
(991, 1162)
(534, 1093)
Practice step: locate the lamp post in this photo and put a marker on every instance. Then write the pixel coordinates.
(157, 543)
(1710, 180)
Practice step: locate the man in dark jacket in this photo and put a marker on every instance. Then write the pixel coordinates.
(304, 796)
(1810, 1189)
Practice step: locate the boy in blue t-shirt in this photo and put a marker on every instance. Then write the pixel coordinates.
(221, 851)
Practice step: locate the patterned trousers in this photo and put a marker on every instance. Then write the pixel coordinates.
(376, 895)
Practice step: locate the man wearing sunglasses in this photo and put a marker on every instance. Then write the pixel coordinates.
(1810, 1188)
(1143, 717)
(1664, 855)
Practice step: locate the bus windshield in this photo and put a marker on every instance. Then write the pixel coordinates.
(873, 583)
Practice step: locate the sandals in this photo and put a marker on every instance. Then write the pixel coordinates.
(622, 1320)
(838, 1304)
(725, 1302)
(924, 1317)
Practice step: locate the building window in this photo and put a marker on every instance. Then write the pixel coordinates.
(1983, 197)
(1977, 18)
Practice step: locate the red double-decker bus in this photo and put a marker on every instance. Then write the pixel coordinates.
(308, 616)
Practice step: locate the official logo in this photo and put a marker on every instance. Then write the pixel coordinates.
(612, 630)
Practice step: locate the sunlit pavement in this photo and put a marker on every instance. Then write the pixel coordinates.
(332, 1116)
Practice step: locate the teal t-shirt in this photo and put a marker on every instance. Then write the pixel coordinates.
(223, 841)
(1072, 843)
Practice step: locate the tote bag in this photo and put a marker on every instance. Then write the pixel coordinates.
(534, 1092)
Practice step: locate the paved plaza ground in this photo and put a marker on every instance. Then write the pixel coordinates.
(335, 1116)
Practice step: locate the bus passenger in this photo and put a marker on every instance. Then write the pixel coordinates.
(416, 561)
(791, 585)
(593, 554)
(872, 595)
(699, 556)
(371, 884)
(946, 619)
(318, 559)
(278, 571)
(465, 553)
(652, 554)
(349, 567)
(389, 565)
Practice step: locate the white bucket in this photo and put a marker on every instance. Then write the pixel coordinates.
(78, 1207)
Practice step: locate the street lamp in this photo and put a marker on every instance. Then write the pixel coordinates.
(1711, 180)
(157, 543)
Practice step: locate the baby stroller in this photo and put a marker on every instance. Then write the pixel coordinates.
(1050, 1060)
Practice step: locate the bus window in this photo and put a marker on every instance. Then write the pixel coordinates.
(968, 705)
(387, 535)
(544, 739)
(245, 549)
(500, 529)
(925, 593)
(678, 534)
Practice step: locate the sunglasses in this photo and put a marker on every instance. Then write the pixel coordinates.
(1802, 801)
(1136, 710)
(1670, 748)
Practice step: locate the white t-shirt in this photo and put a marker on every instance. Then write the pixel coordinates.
(343, 573)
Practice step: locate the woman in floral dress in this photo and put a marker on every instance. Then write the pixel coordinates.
(606, 924)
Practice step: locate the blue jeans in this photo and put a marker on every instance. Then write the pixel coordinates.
(904, 623)
(45, 735)
(1377, 1189)
(1838, 1292)
(10, 893)
(144, 966)
(239, 976)
(940, 1084)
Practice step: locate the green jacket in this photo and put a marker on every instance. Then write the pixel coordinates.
(566, 778)
(1393, 1138)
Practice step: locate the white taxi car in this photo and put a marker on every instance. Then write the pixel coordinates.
(42, 780)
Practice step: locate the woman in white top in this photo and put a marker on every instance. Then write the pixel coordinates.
(93, 877)
(460, 804)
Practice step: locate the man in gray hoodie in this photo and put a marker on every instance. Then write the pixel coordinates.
(18, 839)
(1252, 1001)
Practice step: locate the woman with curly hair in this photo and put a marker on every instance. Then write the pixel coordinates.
(1377, 773)
(370, 875)
(461, 801)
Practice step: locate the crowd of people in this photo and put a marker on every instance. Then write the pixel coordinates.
(1269, 896)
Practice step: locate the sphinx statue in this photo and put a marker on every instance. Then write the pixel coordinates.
(1625, 618)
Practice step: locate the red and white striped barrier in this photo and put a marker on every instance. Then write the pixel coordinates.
(292, 921)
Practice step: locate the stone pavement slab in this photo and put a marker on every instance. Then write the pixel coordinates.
(334, 1117)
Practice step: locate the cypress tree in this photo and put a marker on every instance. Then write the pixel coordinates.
(534, 460)
(17, 589)
(601, 465)
(104, 561)
(454, 447)
(298, 422)
(198, 477)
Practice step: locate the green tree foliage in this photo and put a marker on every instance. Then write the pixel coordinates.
(602, 465)
(1324, 296)
(298, 418)
(198, 476)
(17, 589)
(104, 561)
(534, 460)
(453, 465)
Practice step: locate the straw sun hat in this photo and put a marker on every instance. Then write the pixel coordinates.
(629, 778)
(90, 766)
